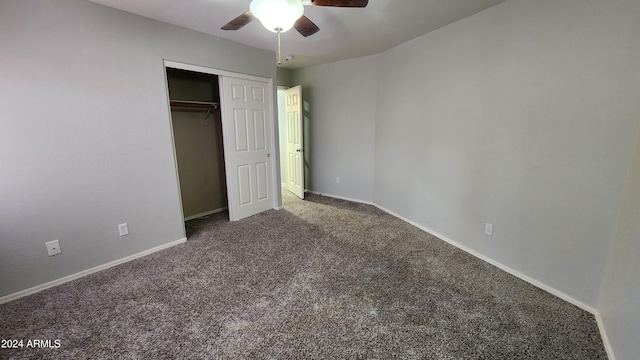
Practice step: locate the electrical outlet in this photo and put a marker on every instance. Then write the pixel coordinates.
(488, 229)
(337, 179)
(123, 229)
(53, 247)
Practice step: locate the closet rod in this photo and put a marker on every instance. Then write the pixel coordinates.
(194, 104)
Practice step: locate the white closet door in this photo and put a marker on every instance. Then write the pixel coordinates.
(246, 118)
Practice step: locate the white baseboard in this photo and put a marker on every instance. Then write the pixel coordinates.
(205, 213)
(80, 274)
(341, 198)
(605, 338)
(495, 263)
(501, 266)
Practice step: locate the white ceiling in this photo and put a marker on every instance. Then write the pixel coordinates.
(344, 32)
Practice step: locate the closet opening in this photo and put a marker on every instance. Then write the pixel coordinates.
(197, 136)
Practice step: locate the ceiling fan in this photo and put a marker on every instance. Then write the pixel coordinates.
(281, 15)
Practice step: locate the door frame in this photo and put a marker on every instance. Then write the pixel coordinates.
(275, 174)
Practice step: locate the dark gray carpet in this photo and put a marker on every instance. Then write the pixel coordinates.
(322, 279)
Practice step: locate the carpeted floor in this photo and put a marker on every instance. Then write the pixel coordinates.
(322, 279)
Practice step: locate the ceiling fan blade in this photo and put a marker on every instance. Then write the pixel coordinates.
(341, 3)
(305, 26)
(239, 21)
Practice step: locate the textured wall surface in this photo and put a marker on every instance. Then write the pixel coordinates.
(620, 294)
(339, 109)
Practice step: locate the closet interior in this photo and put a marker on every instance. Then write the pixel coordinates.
(197, 135)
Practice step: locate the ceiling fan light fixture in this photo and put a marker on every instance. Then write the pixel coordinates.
(277, 15)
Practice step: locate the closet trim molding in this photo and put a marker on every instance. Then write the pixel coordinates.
(206, 70)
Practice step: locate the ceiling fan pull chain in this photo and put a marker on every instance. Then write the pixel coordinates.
(279, 56)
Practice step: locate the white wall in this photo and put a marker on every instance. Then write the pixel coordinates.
(85, 140)
(620, 293)
(523, 116)
(339, 107)
(284, 77)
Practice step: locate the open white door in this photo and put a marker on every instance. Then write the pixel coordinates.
(246, 122)
(295, 158)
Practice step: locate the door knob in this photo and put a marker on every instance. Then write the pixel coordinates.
(299, 150)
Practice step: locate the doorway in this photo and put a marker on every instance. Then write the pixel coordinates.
(291, 140)
(197, 135)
